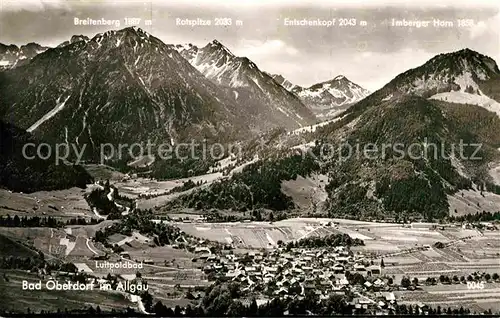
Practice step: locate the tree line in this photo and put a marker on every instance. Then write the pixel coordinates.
(162, 233)
(34, 263)
(99, 200)
(479, 217)
(258, 185)
(228, 300)
(36, 221)
(340, 239)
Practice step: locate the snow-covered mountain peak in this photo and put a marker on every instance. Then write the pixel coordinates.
(463, 70)
(12, 55)
(134, 38)
(273, 104)
(463, 77)
(122, 86)
(326, 99)
(331, 97)
(216, 46)
(217, 63)
(75, 39)
(129, 32)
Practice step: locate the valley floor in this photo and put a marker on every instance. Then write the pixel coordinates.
(407, 250)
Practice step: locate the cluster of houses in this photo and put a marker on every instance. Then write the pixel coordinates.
(291, 273)
(480, 225)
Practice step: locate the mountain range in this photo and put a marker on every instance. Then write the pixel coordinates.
(327, 99)
(128, 86)
(451, 99)
(12, 55)
(270, 103)
(121, 86)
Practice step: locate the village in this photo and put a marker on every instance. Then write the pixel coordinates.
(293, 273)
(179, 258)
(287, 273)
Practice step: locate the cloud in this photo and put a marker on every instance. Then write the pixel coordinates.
(39, 5)
(32, 5)
(377, 69)
(484, 27)
(369, 56)
(259, 49)
(372, 70)
(317, 3)
(478, 29)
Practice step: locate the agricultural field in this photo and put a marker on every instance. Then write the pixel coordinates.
(133, 188)
(71, 243)
(245, 235)
(104, 172)
(170, 272)
(161, 262)
(46, 240)
(305, 191)
(143, 186)
(63, 203)
(455, 296)
(11, 280)
(406, 250)
(471, 202)
(10, 247)
(75, 244)
(379, 237)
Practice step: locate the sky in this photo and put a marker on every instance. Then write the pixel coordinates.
(369, 53)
